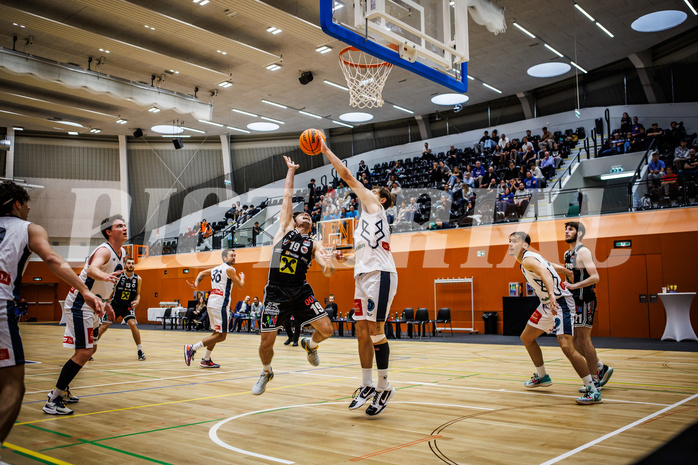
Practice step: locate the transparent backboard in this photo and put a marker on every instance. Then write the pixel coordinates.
(431, 35)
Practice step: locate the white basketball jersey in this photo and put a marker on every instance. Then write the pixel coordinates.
(537, 283)
(101, 289)
(221, 285)
(372, 244)
(14, 253)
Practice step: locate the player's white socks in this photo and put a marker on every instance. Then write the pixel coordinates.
(266, 368)
(207, 356)
(366, 376)
(198, 345)
(541, 371)
(312, 344)
(599, 365)
(382, 380)
(140, 347)
(588, 382)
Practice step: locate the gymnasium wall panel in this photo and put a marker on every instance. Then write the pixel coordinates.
(64, 160)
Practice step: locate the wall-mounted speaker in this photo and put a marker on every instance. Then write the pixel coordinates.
(306, 77)
(177, 142)
(138, 133)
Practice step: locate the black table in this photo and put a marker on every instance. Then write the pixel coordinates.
(516, 312)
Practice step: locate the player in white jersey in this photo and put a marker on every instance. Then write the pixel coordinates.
(100, 273)
(554, 316)
(18, 240)
(375, 287)
(223, 277)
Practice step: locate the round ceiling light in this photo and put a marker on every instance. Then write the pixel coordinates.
(659, 21)
(167, 129)
(263, 126)
(449, 99)
(546, 70)
(356, 117)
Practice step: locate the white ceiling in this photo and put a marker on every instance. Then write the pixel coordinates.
(187, 38)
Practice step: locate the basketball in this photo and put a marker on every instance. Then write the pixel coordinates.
(310, 141)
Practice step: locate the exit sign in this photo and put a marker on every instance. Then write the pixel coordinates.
(622, 244)
(480, 253)
(616, 169)
(37, 278)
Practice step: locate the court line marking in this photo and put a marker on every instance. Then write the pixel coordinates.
(213, 432)
(394, 448)
(618, 431)
(36, 455)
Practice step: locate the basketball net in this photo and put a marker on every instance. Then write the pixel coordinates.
(365, 75)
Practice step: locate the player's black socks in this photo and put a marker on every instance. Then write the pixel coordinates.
(382, 355)
(68, 373)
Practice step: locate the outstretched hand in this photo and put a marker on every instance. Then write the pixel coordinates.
(291, 165)
(192, 284)
(323, 145)
(339, 256)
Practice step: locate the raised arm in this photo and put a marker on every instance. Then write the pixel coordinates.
(286, 214)
(323, 259)
(239, 281)
(347, 261)
(369, 202)
(199, 277)
(39, 244)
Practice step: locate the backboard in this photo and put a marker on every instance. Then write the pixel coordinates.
(431, 35)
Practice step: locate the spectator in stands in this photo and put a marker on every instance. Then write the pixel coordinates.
(435, 175)
(512, 172)
(506, 201)
(480, 147)
(395, 189)
(547, 166)
(489, 176)
(617, 146)
(455, 177)
(690, 166)
(522, 197)
(681, 154)
(230, 214)
(547, 137)
(257, 230)
(452, 158)
(528, 155)
(479, 174)
(625, 123)
(670, 182)
(443, 208)
(445, 171)
(195, 314)
(311, 193)
(207, 235)
(426, 153)
(537, 173)
(352, 213)
(366, 182)
(361, 170)
(530, 182)
(242, 310)
(401, 212)
(391, 214)
(503, 141)
(656, 168)
(675, 134)
(412, 210)
(447, 192)
(655, 133)
(468, 179)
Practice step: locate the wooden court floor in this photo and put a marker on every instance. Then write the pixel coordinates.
(455, 403)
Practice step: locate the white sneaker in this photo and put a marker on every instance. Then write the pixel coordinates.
(313, 357)
(361, 396)
(380, 401)
(261, 385)
(67, 397)
(57, 407)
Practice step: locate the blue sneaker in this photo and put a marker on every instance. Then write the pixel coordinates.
(591, 397)
(604, 375)
(537, 381)
(188, 353)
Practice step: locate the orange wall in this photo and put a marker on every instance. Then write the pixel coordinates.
(663, 252)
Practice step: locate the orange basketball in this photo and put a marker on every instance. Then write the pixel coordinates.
(310, 141)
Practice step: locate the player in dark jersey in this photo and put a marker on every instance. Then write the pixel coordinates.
(579, 261)
(287, 293)
(125, 298)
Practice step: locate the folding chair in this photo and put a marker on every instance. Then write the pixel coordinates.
(443, 316)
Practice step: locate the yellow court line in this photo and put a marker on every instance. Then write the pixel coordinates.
(31, 453)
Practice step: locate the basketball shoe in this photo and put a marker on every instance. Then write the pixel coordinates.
(591, 397)
(604, 375)
(208, 364)
(141, 355)
(537, 381)
(66, 397)
(313, 357)
(261, 385)
(583, 389)
(361, 396)
(188, 353)
(56, 407)
(380, 401)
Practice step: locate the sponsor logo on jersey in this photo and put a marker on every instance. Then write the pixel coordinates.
(361, 246)
(271, 308)
(370, 306)
(304, 249)
(307, 243)
(358, 307)
(4, 354)
(288, 265)
(217, 328)
(68, 340)
(386, 245)
(5, 278)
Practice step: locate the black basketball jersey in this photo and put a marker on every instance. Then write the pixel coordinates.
(584, 294)
(290, 259)
(125, 291)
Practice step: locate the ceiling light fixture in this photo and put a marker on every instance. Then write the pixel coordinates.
(244, 113)
(624, 174)
(102, 50)
(67, 123)
(553, 50)
(471, 78)
(211, 123)
(693, 10)
(154, 110)
(73, 133)
(324, 49)
(238, 129)
(337, 6)
(659, 21)
(356, 117)
(168, 129)
(272, 120)
(225, 84)
(397, 107)
(148, 27)
(17, 128)
(263, 127)
(334, 84)
(222, 52)
(193, 130)
(342, 124)
(95, 131)
(605, 30)
(273, 30)
(201, 2)
(449, 99)
(576, 5)
(549, 69)
(273, 67)
(524, 30)
(309, 114)
(180, 136)
(274, 104)
(121, 121)
(578, 67)
(491, 87)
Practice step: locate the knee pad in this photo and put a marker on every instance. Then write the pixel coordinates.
(376, 338)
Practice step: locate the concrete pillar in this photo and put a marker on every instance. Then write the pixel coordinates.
(123, 184)
(10, 154)
(645, 70)
(227, 165)
(424, 128)
(527, 103)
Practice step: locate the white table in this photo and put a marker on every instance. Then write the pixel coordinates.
(678, 316)
(157, 312)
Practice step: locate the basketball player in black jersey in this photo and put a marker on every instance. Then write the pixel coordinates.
(579, 261)
(287, 293)
(125, 298)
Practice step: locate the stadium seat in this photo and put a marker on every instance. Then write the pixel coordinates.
(443, 316)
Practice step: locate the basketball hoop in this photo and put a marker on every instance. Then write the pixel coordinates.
(365, 75)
